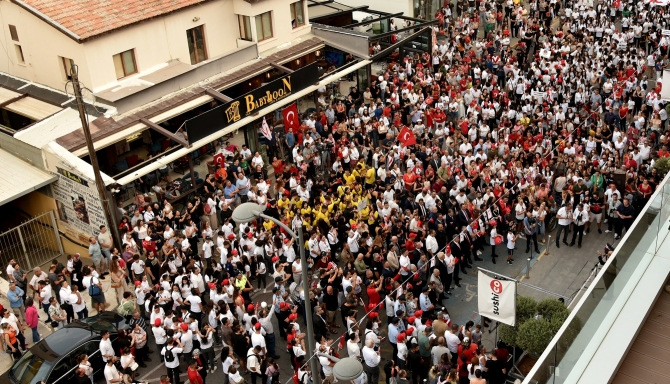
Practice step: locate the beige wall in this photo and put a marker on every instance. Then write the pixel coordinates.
(42, 44)
(163, 39)
(155, 41)
(282, 29)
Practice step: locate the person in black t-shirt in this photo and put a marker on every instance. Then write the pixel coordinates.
(331, 303)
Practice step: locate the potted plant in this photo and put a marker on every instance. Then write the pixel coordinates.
(536, 324)
(663, 165)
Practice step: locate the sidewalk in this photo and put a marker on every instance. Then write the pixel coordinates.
(6, 360)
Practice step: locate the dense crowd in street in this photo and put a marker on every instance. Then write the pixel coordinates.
(524, 113)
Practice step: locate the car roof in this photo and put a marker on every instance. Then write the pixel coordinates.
(61, 342)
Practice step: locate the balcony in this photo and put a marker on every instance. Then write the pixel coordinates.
(599, 342)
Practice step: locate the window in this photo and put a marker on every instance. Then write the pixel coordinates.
(65, 63)
(196, 44)
(13, 33)
(124, 64)
(245, 27)
(297, 18)
(264, 26)
(19, 54)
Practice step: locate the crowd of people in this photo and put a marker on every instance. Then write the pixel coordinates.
(523, 113)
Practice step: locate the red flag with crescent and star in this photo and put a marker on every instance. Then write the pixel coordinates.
(291, 120)
(406, 137)
(220, 159)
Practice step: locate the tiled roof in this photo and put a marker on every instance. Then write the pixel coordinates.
(89, 18)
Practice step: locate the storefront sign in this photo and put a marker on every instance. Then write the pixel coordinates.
(80, 212)
(220, 117)
(497, 299)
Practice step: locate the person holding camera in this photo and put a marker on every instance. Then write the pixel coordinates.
(579, 218)
(530, 228)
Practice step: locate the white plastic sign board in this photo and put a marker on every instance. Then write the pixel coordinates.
(497, 299)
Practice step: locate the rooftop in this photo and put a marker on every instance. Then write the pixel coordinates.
(84, 19)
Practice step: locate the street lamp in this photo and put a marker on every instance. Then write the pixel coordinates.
(345, 369)
(247, 212)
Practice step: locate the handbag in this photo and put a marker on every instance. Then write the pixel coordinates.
(133, 366)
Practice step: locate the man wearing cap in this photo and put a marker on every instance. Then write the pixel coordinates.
(425, 304)
(401, 355)
(160, 336)
(257, 340)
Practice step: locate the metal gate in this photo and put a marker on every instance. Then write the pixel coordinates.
(32, 243)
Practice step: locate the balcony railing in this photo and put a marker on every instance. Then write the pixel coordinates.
(571, 349)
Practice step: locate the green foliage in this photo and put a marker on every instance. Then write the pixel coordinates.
(536, 324)
(663, 165)
(552, 309)
(534, 335)
(507, 334)
(526, 308)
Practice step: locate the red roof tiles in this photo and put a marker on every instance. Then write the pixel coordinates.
(89, 18)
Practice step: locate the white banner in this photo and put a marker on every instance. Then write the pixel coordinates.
(497, 299)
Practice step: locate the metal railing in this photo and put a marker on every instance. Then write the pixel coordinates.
(32, 243)
(583, 331)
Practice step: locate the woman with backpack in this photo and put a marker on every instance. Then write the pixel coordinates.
(272, 371)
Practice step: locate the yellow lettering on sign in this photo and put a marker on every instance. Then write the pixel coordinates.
(287, 82)
(250, 103)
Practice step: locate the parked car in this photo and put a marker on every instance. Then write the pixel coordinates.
(54, 358)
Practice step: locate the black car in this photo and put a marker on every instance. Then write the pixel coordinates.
(54, 358)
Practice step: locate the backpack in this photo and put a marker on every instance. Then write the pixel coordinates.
(207, 209)
(169, 355)
(93, 289)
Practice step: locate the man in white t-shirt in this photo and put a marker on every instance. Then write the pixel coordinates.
(137, 267)
(112, 374)
(106, 348)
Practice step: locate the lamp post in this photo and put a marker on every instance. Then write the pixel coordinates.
(247, 212)
(345, 369)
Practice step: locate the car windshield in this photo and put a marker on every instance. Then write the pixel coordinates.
(30, 369)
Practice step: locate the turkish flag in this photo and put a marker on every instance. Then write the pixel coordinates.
(220, 159)
(406, 137)
(290, 115)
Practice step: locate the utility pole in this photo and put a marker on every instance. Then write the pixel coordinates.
(74, 73)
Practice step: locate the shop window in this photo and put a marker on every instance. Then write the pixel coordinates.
(264, 26)
(196, 44)
(124, 64)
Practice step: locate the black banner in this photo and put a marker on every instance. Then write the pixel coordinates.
(72, 176)
(222, 116)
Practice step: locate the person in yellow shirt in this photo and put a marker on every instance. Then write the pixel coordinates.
(284, 202)
(349, 177)
(306, 210)
(297, 202)
(370, 178)
(525, 120)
